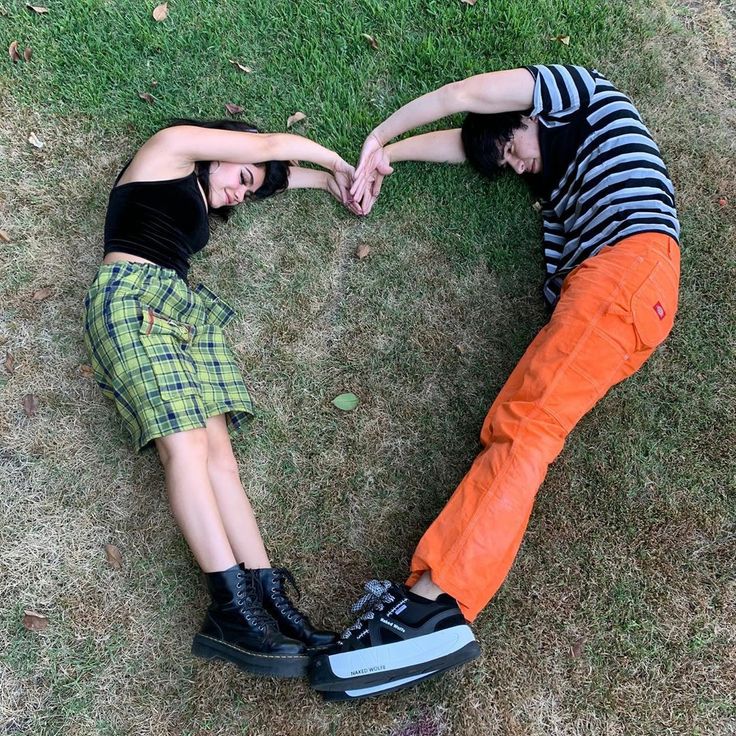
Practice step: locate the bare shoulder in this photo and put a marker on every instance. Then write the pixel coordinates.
(158, 160)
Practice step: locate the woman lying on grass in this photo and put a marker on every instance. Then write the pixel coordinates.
(158, 350)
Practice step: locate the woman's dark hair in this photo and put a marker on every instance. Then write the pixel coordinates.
(277, 172)
(484, 137)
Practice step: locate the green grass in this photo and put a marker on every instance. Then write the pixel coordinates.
(630, 547)
(92, 58)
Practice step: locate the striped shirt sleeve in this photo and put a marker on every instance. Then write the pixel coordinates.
(560, 90)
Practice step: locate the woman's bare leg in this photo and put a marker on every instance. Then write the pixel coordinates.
(235, 509)
(184, 458)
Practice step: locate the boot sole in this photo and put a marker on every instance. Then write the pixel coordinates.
(386, 663)
(257, 663)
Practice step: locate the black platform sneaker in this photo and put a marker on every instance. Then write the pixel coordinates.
(237, 629)
(291, 621)
(399, 636)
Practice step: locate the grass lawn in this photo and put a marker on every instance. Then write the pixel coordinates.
(619, 616)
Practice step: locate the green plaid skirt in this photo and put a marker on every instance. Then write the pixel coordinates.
(158, 351)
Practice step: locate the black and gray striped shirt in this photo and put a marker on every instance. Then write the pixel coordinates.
(613, 185)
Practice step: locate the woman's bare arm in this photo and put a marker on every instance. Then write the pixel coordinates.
(337, 184)
(173, 151)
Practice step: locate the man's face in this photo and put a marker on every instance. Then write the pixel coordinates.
(522, 152)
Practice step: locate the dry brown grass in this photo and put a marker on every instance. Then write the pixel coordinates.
(630, 558)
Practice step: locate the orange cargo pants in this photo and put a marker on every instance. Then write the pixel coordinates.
(614, 309)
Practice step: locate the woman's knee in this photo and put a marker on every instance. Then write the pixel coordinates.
(220, 456)
(189, 446)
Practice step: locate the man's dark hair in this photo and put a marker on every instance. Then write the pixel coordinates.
(277, 172)
(484, 137)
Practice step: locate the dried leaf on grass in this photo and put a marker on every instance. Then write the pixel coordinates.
(147, 97)
(4, 236)
(161, 12)
(30, 405)
(576, 649)
(35, 141)
(297, 117)
(13, 52)
(241, 67)
(34, 621)
(27, 54)
(469, 2)
(86, 371)
(233, 109)
(40, 294)
(362, 251)
(561, 39)
(371, 41)
(345, 402)
(37, 9)
(114, 557)
(10, 363)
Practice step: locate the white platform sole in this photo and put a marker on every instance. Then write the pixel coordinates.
(380, 665)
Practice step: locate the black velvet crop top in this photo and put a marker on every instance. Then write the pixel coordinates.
(162, 221)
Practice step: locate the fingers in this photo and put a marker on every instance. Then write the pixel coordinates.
(355, 208)
(368, 171)
(376, 189)
(338, 188)
(367, 203)
(360, 179)
(368, 163)
(369, 198)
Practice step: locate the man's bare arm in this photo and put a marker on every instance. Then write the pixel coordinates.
(440, 146)
(491, 92)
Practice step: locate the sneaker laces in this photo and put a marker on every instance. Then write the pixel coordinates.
(249, 602)
(374, 601)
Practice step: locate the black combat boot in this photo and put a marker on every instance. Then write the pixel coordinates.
(290, 619)
(238, 629)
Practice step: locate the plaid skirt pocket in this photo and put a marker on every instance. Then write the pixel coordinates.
(167, 344)
(217, 310)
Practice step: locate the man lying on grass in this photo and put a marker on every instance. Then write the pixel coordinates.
(612, 273)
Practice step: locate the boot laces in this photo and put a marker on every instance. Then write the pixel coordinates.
(281, 600)
(249, 602)
(374, 601)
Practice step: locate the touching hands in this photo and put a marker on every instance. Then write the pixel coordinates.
(338, 185)
(357, 189)
(373, 166)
